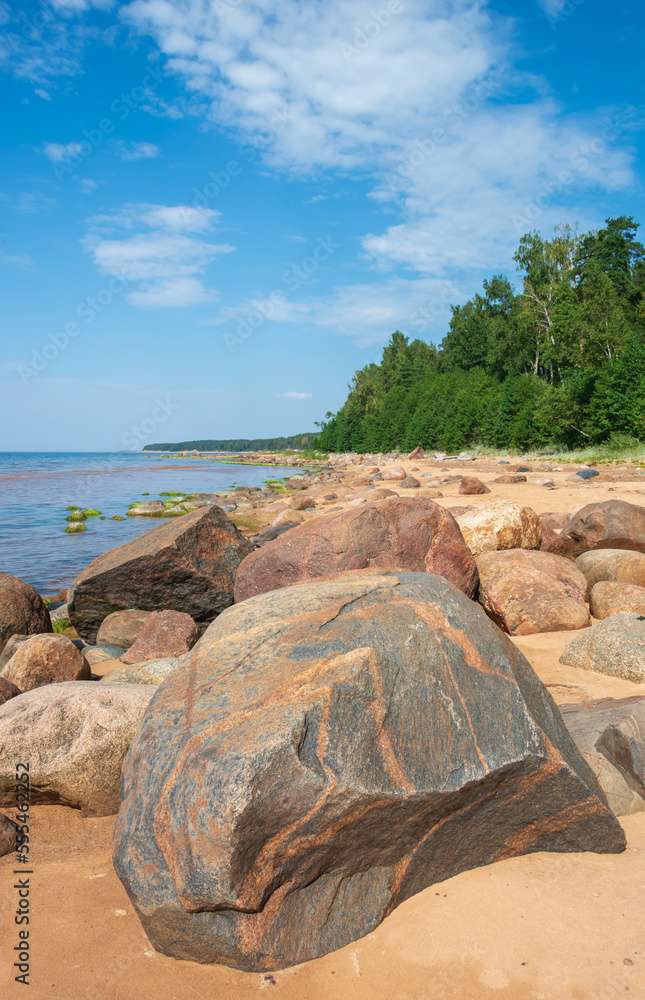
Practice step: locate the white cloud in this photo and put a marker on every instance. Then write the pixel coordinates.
(154, 251)
(63, 152)
(88, 185)
(138, 151)
(415, 93)
(294, 395)
(368, 313)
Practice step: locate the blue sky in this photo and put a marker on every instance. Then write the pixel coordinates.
(214, 211)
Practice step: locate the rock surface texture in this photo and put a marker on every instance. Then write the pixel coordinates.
(608, 597)
(471, 486)
(615, 646)
(7, 835)
(525, 591)
(188, 564)
(7, 690)
(327, 751)
(620, 565)
(75, 737)
(397, 533)
(46, 659)
(22, 610)
(121, 628)
(613, 524)
(500, 525)
(610, 734)
(165, 633)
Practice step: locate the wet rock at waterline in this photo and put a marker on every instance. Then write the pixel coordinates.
(327, 751)
(188, 564)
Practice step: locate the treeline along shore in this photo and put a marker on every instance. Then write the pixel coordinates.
(559, 363)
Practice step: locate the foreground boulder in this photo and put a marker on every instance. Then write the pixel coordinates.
(46, 659)
(75, 737)
(121, 628)
(610, 734)
(7, 835)
(22, 610)
(327, 751)
(620, 565)
(188, 564)
(608, 597)
(165, 633)
(613, 524)
(396, 533)
(615, 646)
(525, 591)
(500, 525)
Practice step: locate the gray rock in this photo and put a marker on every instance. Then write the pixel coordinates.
(610, 734)
(615, 646)
(7, 835)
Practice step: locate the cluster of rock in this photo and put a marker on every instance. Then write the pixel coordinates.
(321, 720)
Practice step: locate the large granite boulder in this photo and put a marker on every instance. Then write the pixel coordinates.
(151, 672)
(615, 646)
(525, 591)
(612, 524)
(619, 565)
(165, 633)
(46, 659)
(188, 564)
(330, 749)
(501, 524)
(610, 734)
(75, 737)
(121, 628)
(22, 610)
(609, 597)
(407, 533)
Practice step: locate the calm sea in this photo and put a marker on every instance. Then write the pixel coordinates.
(36, 487)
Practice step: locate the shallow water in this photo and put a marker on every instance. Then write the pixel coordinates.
(35, 488)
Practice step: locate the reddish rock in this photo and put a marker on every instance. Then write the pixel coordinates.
(7, 690)
(525, 591)
(609, 597)
(22, 610)
(552, 540)
(164, 634)
(417, 453)
(517, 477)
(620, 565)
(46, 659)
(329, 750)
(188, 564)
(470, 486)
(394, 472)
(613, 524)
(397, 533)
(121, 628)
(409, 483)
(301, 503)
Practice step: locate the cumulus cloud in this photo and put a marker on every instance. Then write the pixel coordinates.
(157, 251)
(407, 91)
